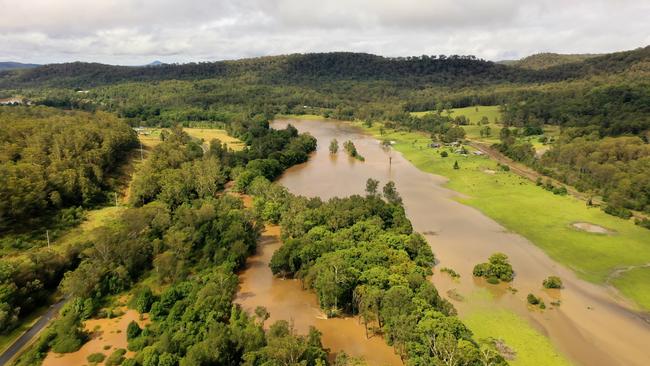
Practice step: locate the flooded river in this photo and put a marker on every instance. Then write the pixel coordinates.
(590, 327)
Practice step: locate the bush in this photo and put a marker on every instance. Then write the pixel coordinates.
(444, 154)
(130, 362)
(621, 212)
(643, 223)
(552, 282)
(143, 300)
(96, 357)
(532, 299)
(450, 272)
(69, 333)
(562, 191)
(497, 268)
(493, 280)
(133, 330)
(137, 344)
(116, 358)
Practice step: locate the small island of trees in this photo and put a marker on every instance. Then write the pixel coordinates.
(497, 269)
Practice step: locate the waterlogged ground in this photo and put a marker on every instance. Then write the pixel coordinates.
(107, 335)
(590, 326)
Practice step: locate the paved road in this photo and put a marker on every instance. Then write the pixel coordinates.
(27, 337)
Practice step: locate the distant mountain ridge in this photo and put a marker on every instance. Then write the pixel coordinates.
(10, 65)
(545, 60)
(318, 68)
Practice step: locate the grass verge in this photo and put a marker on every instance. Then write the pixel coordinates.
(531, 348)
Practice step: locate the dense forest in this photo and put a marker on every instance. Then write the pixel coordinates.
(321, 67)
(51, 159)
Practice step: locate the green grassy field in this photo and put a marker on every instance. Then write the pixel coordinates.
(634, 284)
(474, 114)
(531, 347)
(542, 217)
(208, 134)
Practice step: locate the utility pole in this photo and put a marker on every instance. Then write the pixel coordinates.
(115, 199)
(47, 234)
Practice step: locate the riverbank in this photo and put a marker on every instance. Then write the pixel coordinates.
(539, 215)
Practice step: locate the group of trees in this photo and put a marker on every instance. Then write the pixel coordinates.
(496, 269)
(51, 159)
(361, 256)
(351, 150)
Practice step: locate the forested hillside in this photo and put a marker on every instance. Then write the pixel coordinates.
(545, 60)
(51, 159)
(591, 98)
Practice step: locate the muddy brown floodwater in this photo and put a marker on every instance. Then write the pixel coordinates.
(591, 327)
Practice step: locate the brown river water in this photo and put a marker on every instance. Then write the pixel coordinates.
(591, 327)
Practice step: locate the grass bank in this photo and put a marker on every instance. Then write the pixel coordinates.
(530, 348)
(542, 217)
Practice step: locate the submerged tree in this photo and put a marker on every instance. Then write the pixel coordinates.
(391, 195)
(334, 146)
(371, 187)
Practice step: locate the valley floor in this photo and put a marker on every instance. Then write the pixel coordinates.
(540, 216)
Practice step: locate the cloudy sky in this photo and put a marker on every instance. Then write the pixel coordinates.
(135, 32)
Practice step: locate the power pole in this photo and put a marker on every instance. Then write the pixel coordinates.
(47, 234)
(115, 199)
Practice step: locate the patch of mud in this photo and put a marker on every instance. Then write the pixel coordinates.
(591, 228)
(107, 335)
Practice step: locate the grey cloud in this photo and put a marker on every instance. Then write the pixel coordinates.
(138, 31)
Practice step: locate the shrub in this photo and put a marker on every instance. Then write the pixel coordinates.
(450, 272)
(69, 333)
(456, 166)
(562, 191)
(144, 299)
(130, 362)
(96, 357)
(621, 212)
(493, 280)
(137, 344)
(552, 282)
(532, 299)
(116, 358)
(133, 330)
(444, 154)
(643, 223)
